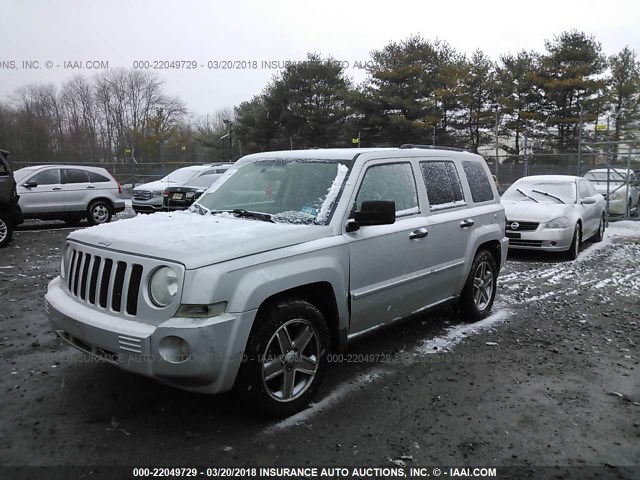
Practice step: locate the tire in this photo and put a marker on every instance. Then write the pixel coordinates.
(574, 249)
(601, 228)
(6, 230)
(276, 367)
(99, 212)
(479, 290)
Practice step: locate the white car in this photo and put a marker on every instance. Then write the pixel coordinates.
(619, 185)
(68, 192)
(553, 213)
(147, 198)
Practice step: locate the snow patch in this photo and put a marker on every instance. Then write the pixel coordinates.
(336, 395)
(459, 333)
(332, 193)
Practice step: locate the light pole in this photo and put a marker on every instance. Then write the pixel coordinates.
(497, 145)
(580, 141)
(227, 122)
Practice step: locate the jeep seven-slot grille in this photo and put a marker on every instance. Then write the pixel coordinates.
(105, 283)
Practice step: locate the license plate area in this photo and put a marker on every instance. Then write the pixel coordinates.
(177, 196)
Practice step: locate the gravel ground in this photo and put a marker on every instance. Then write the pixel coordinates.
(551, 378)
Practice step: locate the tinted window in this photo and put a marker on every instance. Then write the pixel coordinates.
(48, 177)
(95, 178)
(479, 182)
(443, 184)
(390, 182)
(76, 176)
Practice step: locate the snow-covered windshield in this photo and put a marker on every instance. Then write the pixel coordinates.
(542, 192)
(618, 176)
(182, 175)
(300, 191)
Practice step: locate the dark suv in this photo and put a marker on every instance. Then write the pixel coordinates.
(10, 213)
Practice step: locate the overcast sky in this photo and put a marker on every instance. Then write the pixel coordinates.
(123, 31)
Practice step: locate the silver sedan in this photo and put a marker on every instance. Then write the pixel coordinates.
(553, 213)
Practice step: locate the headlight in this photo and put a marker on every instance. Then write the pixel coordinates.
(562, 222)
(157, 193)
(163, 286)
(618, 194)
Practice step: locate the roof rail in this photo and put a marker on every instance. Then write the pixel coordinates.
(433, 147)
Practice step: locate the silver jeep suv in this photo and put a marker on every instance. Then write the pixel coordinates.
(289, 256)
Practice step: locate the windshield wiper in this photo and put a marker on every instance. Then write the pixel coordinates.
(528, 196)
(547, 194)
(241, 212)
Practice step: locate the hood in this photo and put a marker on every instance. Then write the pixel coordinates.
(535, 212)
(157, 185)
(196, 240)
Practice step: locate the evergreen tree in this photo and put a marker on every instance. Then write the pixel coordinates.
(624, 95)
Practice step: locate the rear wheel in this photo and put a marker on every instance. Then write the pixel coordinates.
(286, 358)
(6, 230)
(99, 212)
(479, 292)
(574, 249)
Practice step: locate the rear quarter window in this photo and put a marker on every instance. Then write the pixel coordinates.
(97, 178)
(479, 181)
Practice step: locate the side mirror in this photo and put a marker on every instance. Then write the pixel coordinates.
(373, 212)
(30, 184)
(588, 201)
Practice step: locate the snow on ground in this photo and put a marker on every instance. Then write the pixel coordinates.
(338, 393)
(457, 334)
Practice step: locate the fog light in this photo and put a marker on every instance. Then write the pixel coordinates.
(553, 244)
(174, 349)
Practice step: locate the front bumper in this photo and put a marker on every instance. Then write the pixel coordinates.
(216, 344)
(154, 204)
(547, 239)
(617, 207)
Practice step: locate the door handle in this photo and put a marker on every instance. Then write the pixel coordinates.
(419, 233)
(56, 188)
(467, 223)
(91, 186)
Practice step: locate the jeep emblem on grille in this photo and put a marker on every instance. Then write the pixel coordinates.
(515, 225)
(105, 243)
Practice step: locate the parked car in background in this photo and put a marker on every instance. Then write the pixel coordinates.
(287, 258)
(147, 198)
(182, 197)
(553, 213)
(69, 192)
(10, 213)
(619, 186)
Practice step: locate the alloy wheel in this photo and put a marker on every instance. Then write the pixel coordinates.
(4, 230)
(482, 285)
(100, 213)
(291, 360)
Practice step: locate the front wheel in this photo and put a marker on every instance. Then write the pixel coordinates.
(600, 233)
(99, 212)
(574, 249)
(286, 358)
(479, 291)
(6, 230)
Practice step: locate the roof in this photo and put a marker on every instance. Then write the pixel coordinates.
(549, 178)
(352, 153)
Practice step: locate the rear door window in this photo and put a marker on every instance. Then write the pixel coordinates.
(76, 176)
(479, 182)
(444, 189)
